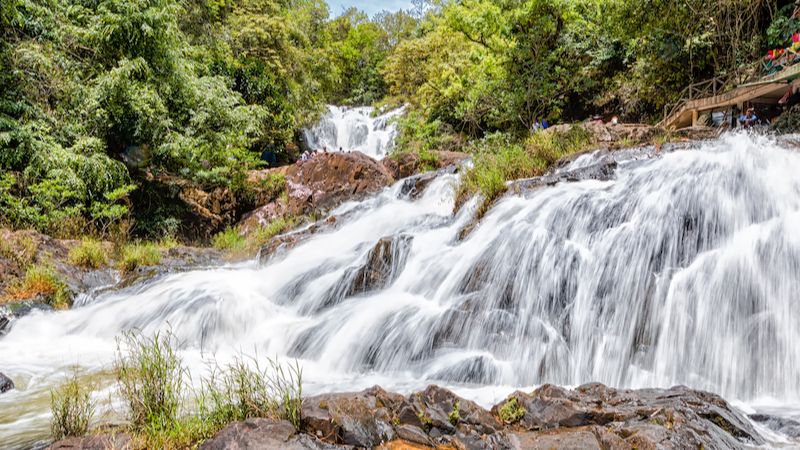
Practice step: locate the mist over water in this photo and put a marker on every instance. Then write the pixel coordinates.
(355, 129)
(682, 269)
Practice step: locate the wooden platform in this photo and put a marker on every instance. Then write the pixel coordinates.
(767, 90)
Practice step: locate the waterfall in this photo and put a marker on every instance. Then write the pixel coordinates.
(354, 129)
(683, 268)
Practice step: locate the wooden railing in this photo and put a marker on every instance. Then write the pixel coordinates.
(708, 88)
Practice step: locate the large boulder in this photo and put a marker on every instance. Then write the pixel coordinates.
(383, 264)
(330, 179)
(263, 434)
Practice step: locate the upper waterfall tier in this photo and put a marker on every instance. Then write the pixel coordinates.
(354, 129)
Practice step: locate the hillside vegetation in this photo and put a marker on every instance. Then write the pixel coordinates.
(99, 96)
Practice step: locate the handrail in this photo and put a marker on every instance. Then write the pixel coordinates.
(707, 88)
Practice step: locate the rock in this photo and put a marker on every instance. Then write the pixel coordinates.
(262, 217)
(263, 434)
(673, 418)
(5, 383)
(329, 179)
(787, 427)
(364, 419)
(384, 262)
(105, 441)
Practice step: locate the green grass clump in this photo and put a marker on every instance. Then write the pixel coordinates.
(41, 280)
(138, 255)
(89, 254)
(511, 412)
(72, 409)
(245, 389)
(455, 415)
(150, 376)
(230, 240)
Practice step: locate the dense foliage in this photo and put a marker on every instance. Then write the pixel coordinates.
(99, 96)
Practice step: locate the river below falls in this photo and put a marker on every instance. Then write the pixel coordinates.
(683, 268)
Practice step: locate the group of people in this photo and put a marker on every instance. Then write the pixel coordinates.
(310, 154)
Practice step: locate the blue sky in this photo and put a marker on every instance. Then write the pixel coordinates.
(369, 6)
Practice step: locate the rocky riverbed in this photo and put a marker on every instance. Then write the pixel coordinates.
(592, 416)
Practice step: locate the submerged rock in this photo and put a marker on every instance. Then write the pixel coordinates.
(5, 383)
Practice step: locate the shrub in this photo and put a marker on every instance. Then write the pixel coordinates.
(274, 185)
(72, 408)
(455, 415)
(138, 255)
(233, 241)
(511, 412)
(41, 280)
(150, 376)
(89, 254)
(245, 390)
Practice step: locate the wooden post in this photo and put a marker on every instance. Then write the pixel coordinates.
(694, 117)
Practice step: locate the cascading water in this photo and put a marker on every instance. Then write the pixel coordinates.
(355, 129)
(683, 268)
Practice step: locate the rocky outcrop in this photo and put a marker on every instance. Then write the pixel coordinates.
(592, 416)
(5, 383)
(330, 179)
(407, 164)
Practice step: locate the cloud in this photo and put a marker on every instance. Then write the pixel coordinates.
(369, 6)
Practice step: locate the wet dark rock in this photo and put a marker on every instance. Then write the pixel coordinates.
(784, 426)
(384, 263)
(474, 370)
(263, 434)
(5, 383)
(106, 441)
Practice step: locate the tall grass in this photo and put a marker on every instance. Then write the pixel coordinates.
(72, 410)
(246, 389)
(151, 380)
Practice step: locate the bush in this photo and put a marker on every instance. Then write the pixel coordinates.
(89, 254)
(41, 280)
(138, 255)
(72, 408)
(245, 390)
(150, 376)
(274, 185)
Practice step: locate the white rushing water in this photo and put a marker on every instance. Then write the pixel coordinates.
(682, 269)
(355, 129)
